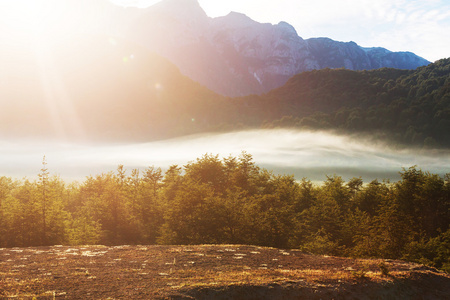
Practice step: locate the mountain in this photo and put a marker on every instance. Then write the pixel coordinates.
(332, 54)
(89, 83)
(232, 55)
(235, 55)
(95, 87)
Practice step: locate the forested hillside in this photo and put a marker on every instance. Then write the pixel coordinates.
(409, 107)
(233, 201)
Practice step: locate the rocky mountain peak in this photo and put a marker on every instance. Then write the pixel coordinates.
(182, 9)
(237, 20)
(288, 27)
(235, 56)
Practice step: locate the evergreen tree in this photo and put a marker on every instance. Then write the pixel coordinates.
(43, 186)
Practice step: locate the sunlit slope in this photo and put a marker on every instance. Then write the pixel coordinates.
(98, 87)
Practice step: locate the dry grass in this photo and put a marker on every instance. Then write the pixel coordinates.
(146, 272)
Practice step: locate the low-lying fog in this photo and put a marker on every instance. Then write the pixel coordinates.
(305, 154)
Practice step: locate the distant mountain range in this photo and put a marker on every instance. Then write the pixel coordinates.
(231, 55)
(235, 56)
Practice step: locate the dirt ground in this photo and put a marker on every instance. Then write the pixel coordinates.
(208, 272)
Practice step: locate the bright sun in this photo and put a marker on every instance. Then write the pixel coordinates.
(29, 31)
(26, 16)
(40, 19)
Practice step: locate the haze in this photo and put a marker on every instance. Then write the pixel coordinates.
(304, 154)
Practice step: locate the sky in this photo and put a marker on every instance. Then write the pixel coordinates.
(418, 26)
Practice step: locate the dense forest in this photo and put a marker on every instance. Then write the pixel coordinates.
(408, 107)
(231, 200)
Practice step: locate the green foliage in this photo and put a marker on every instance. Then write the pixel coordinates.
(19, 213)
(408, 107)
(320, 243)
(83, 231)
(431, 251)
(233, 201)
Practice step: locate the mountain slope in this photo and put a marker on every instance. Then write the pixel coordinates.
(234, 55)
(86, 84)
(411, 107)
(96, 87)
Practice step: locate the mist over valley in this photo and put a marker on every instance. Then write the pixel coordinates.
(309, 154)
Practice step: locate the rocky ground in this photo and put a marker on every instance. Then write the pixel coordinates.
(208, 272)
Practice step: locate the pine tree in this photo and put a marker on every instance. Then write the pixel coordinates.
(43, 183)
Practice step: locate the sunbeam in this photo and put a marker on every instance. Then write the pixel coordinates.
(63, 115)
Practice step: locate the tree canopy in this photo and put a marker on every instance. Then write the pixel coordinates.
(408, 107)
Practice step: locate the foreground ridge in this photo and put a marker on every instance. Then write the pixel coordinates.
(206, 272)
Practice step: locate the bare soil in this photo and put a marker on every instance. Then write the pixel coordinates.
(208, 272)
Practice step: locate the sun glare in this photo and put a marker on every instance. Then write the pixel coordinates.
(29, 29)
(27, 16)
(42, 20)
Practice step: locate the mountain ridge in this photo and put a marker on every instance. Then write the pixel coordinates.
(234, 55)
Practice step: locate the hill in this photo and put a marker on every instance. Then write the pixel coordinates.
(208, 272)
(409, 107)
(81, 83)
